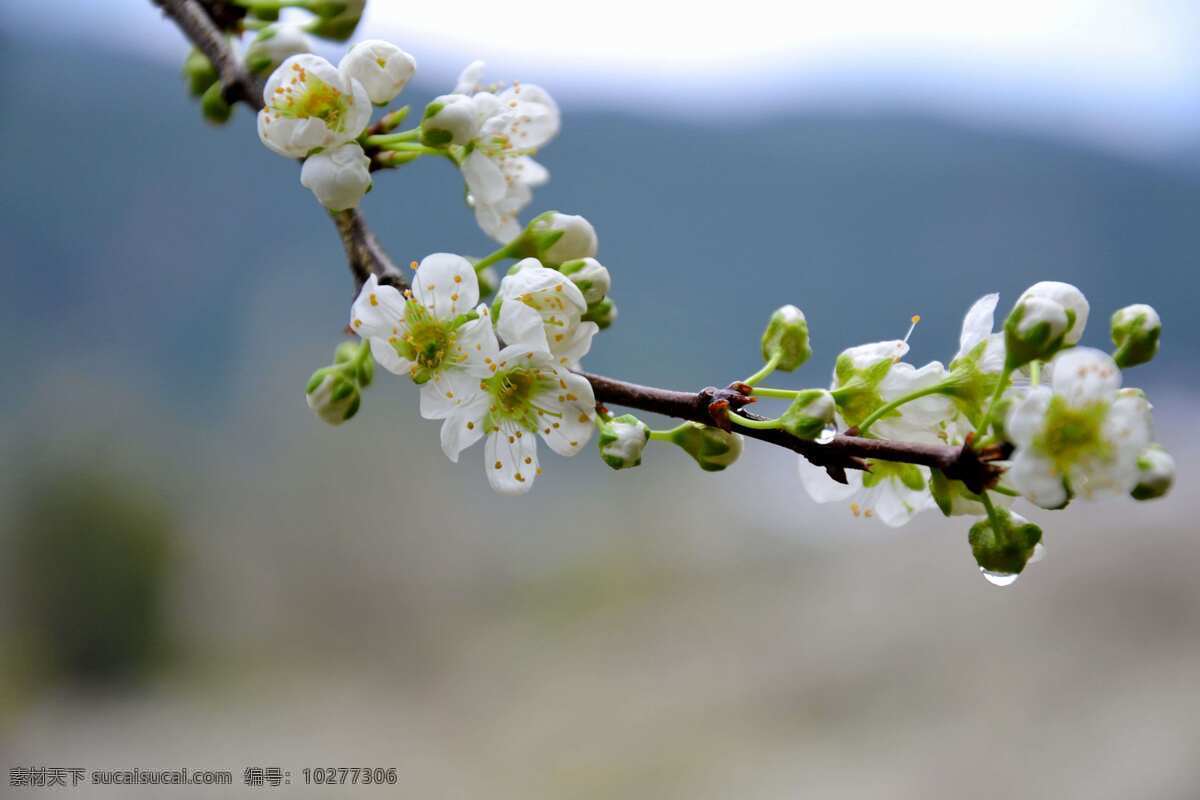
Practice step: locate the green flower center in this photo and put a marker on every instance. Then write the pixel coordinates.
(429, 342)
(1073, 434)
(306, 96)
(513, 392)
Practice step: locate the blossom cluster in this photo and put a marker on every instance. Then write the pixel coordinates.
(1051, 414)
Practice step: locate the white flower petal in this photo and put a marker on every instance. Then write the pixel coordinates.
(521, 326)
(386, 356)
(510, 459)
(1026, 416)
(1036, 479)
(824, 489)
(571, 348)
(484, 179)
(575, 403)
(450, 389)
(463, 427)
(1084, 375)
(378, 311)
(977, 324)
(446, 284)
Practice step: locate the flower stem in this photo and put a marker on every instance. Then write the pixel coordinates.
(667, 435)
(1000, 386)
(765, 372)
(757, 424)
(782, 394)
(381, 139)
(991, 511)
(1035, 372)
(887, 408)
(412, 147)
(492, 258)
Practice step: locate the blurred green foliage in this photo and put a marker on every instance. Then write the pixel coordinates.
(90, 563)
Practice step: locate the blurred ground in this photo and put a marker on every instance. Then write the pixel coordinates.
(682, 641)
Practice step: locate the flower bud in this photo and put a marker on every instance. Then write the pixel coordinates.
(713, 448)
(622, 441)
(1156, 474)
(810, 413)
(332, 397)
(216, 109)
(603, 313)
(1003, 551)
(786, 338)
(199, 72)
(336, 19)
(382, 68)
(1135, 332)
(556, 238)
(449, 119)
(590, 276)
(338, 177)
(273, 46)
(1067, 296)
(1035, 329)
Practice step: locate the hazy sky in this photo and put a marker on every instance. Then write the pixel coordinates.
(1122, 72)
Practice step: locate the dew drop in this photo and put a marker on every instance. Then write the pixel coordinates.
(826, 435)
(1039, 552)
(999, 578)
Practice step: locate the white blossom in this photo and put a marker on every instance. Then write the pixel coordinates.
(1079, 435)
(434, 333)
(498, 169)
(559, 304)
(525, 394)
(309, 104)
(339, 177)
(381, 67)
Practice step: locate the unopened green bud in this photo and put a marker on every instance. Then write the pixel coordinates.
(393, 119)
(199, 72)
(590, 276)
(1002, 550)
(334, 23)
(713, 448)
(786, 338)
(331, 396)
(622, 441)
(1156, 474)
(810, 413)
(1034, 330)
(602, 313)
(1135, 332)
(347, 354)
(213, 104)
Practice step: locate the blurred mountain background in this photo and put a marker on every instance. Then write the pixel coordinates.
(199, 573)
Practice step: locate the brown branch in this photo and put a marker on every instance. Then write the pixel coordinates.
(197, 25)
(708, 406)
